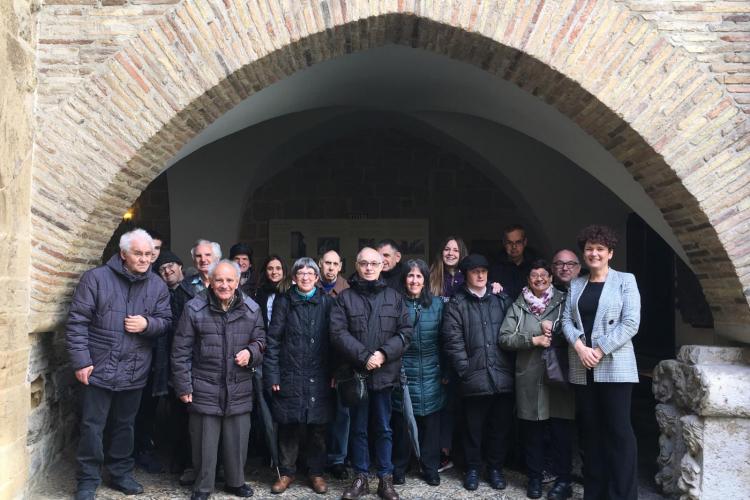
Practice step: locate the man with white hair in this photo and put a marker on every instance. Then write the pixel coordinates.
(204, 253)
(118, 309)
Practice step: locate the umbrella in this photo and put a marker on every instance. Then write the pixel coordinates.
(269, 426)
(408, 411)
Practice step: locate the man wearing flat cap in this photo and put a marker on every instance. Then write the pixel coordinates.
(470, 333)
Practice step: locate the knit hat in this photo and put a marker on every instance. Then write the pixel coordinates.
(240, 249)
(165, 257)
(472, 262)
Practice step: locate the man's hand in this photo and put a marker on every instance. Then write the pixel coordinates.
(135, 324)
(375, 361)
(186, 398)
(275, 387)
(496, 287)
(242, 358)
(84, 373)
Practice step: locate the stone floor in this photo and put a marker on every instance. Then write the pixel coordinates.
(59, 483)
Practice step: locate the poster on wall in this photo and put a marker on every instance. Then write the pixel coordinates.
(295, 238)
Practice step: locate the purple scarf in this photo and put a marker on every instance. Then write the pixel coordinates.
(537, 305)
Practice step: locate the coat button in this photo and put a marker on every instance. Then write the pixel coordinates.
(312, 322)
(312, 399)
(312, 380)
(312, 341)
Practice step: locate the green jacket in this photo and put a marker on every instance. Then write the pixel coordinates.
(421, 361)
(535, 400)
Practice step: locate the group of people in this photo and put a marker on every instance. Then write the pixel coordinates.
(461, 345)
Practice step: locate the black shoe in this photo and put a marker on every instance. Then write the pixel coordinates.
(243, 491)
(432, 478)
(562, 490)
(85, 494)
(199, 495)
(339, 471)
(534, 488)
(496, 479)
(399, 478)
(471, 479)
(126, 485)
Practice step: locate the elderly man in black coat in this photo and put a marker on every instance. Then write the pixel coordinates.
(219, 339)
(371, 330)
(471, 332)
(118, 309)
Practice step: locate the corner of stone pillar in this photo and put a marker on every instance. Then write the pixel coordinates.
(704, 417)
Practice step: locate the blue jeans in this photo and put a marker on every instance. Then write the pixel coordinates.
(338, 435)
(378, 408)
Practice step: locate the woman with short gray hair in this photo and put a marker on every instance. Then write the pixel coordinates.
(297, 372)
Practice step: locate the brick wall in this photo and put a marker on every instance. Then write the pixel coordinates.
(382, 174)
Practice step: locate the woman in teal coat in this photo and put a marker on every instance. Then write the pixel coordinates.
(532, 325)
(421, 363)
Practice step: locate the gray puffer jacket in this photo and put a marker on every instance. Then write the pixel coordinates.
(205, 344)
(95, 331)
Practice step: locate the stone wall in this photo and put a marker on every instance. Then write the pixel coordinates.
(17, 83)
(383, 174)
(78, 35)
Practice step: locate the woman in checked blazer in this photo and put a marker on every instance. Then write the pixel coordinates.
(601, 315)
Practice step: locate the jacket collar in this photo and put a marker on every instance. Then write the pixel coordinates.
(116, 264)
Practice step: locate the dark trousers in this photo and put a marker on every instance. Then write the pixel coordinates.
(145, 421)
(338, 435)
(116, 411)
(428, 428)
(489, 421)
(448, 414)
(179, 432)
(375, 413)
(313, 437)
(560, 432)
(610, 448)
(205, 432)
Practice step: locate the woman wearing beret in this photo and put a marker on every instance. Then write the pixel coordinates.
(602, 313)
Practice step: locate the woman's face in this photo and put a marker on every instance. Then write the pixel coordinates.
(414, 282)
(451, 254)
(274, 271)
(596, 256)
(305, 279)
(539, 281)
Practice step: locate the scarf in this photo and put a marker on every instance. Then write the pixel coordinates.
(537, 305)
(304, 295)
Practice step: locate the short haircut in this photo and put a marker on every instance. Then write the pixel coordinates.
(232, 263)
(513, 227)
(329, 251)
(386, 242)
(126, 240)
(597, 234)
(359, 254)
(156, 235)
(305, 262)
(215, 248)
(565, 250)
(540, 264)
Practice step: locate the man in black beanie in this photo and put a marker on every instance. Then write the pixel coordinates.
(470, 332)
(242, 254)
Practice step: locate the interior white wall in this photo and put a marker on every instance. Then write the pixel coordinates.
(420, 83)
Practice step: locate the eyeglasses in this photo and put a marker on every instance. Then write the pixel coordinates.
(364, 263)
(516, 243)
(305, 274)
(535, 276)
(570, 265)
(167, 267)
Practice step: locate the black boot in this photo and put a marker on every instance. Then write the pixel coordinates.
(562, 490)
(534, 488)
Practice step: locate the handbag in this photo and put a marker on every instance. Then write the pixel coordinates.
(351, 384)
(555, 358)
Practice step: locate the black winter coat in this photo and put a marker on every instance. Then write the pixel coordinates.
(205, 344)
(471, 333)
(351, 338)
(95, 331)
(297, 359)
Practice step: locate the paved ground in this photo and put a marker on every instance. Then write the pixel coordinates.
(59, 483)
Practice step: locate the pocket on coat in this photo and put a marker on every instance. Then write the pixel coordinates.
(388, 322)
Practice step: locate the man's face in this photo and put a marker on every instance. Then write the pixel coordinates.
(369, 264)
(515, 243)
(171, 273)
(204, 256)
(224, 281)
(138, 258)
(565, 266)
(477, 277)
(330, 266)
(157, 250)
(390, 257)
(243, 261)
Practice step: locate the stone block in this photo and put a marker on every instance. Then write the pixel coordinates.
(726, 458)
(709, 355)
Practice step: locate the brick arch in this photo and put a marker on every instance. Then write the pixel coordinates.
(651, 105)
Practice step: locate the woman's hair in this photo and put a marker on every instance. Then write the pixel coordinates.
(539, 264)
(437, 271)
(425, 297)
(263, 281)
(597, 234)
(303, 262)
